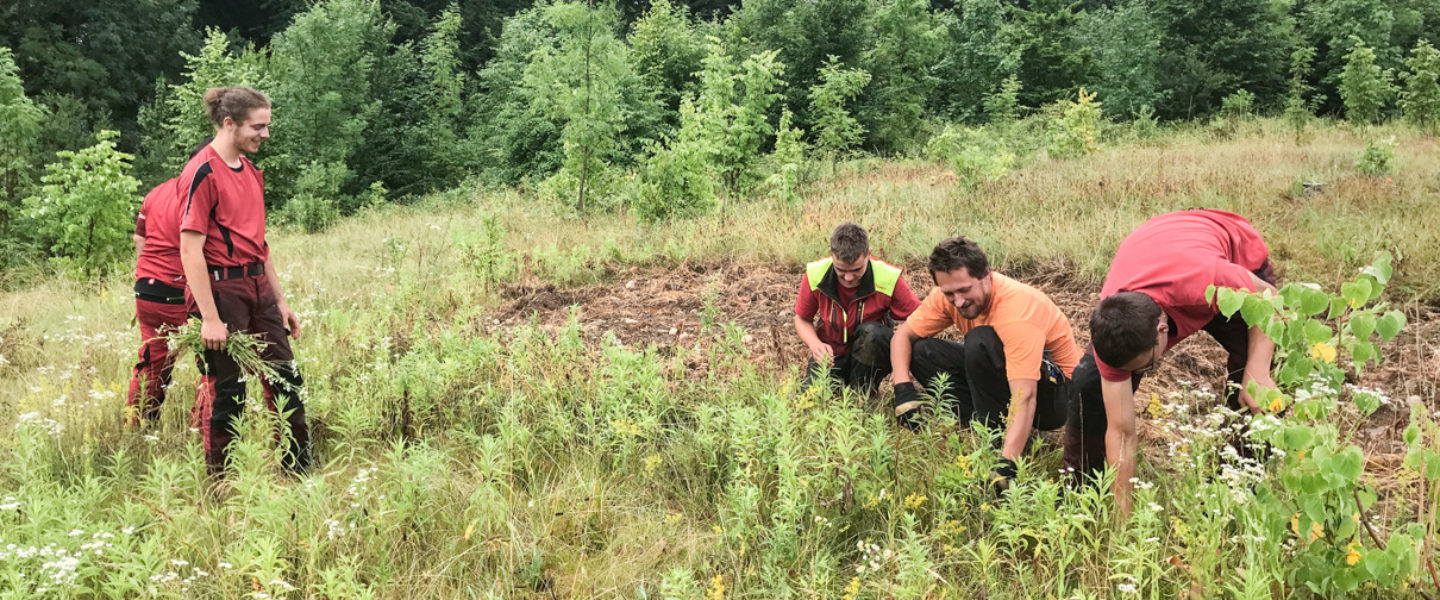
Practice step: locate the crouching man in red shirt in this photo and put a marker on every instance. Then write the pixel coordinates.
(1154, 297)
(231, 275)
(856, 300)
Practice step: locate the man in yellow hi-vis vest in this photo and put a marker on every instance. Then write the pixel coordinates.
(846, 311)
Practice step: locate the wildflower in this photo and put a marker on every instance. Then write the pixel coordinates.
(1323, 351)
(717, 588)
(652, 462)
(10, 504)
(853, 589)
(914, 501)
(1353, 557)
(674, 518)
(1276, 405)
(1155, 409)
(718, 530)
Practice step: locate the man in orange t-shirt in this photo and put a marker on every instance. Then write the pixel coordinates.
(1018, 347)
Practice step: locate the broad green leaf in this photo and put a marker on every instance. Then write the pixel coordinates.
(1316, 332)
(1380, 269)
(1255, 310)
(1362, 325)
(1367, 498)
(1293, 293)
(1411, 434)
(1210, 294)
(1299, 437)
(1230, 301)
(1337, 308)
(1390, 325)
(1348, 464)
(1362, 353)
(1313, 302)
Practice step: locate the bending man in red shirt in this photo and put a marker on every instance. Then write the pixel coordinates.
(857, 299)
(231, 275)
(1154, 296)
(1016, 359)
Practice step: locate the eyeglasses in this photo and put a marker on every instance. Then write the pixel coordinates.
(1154, 363)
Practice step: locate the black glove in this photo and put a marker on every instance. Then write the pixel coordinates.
(907, 405)
(1000, 476)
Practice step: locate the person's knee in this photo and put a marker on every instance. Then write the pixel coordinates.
(983, 350)
(872, 344)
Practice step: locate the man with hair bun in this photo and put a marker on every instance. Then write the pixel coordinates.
(846, 309)
(1154, 297)
(1015, 361)
(231, 274)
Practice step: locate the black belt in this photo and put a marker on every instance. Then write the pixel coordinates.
(223, 273)
(154, 291)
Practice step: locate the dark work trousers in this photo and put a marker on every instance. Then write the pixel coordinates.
(1085, 424)
(247, 304)
(978, 387)
(152, 374)
(864, 364)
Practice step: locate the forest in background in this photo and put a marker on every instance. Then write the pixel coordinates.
(661, 109)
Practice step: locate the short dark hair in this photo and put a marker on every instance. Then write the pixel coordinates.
(849, 242)
(1123, 327)
(957, 252)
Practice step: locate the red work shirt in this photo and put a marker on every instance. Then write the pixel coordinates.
(228, 206)
(1174, 257)
(159, 223)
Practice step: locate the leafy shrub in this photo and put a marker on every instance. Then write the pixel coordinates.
(974, 156)
(836, 131)
(788, 160)
(1074, 134)
(1421, 99)
(1376, 159)
(85, 208)
(1364, 86)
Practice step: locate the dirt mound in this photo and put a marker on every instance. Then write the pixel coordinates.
(667, 307)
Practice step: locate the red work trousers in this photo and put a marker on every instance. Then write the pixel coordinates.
(248, 305)
(152, 373)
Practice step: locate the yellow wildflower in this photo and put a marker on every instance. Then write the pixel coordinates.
(717, 588)
(1316, 531)
(914, 501)
(718, 530)
(1323, 351)
(652, 462)
(985, 507)
(673, 518)
(1277, 404)
(852, 590)
(1353, 557)
(1155, 409)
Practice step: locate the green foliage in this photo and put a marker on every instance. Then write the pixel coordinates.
(667, 51)
(836, 131)
(1318, 495)
(1213, 47)
(1337, 27)
(980, 53)
(1125, 41)
(1002, 107)
(787, 161)
(444, 99)
(20, 120)
(578, 84)
(1377, 158)
(1364, 86)
(1420, 101)
(975, 157)
(1234, 110)
(313, 206)
(517, 139)
(84, 210)
(679, 178)
(1053, 64)
(908, 42)
(733, 108)
(323, 66)
(1074, 134)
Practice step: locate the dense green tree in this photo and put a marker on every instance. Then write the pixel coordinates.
(981, 52)
(1300, 101)
(678, 178)
(1336, 27)
(1420, 100)
(667, 52)
(579, 84)
(1364, 86)
(105, 54)
(908, 41)
(1125, 43)
(20, 120)
(733, 110)
(1053, 64)
(322, 66)
(84, 212)
(805, 33)
(1214, 47)
(836, 131)
(517, 140)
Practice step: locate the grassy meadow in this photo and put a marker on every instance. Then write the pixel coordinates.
(463, 459)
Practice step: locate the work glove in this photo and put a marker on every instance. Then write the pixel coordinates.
(907, 405)
(1004, 471)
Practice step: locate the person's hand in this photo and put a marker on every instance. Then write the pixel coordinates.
(1246, 400)
(291, 320)
(907, 405)
(822, 352)
(1000, 477)
(213, 334)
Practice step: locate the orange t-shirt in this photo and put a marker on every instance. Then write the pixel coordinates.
(1024, 318)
